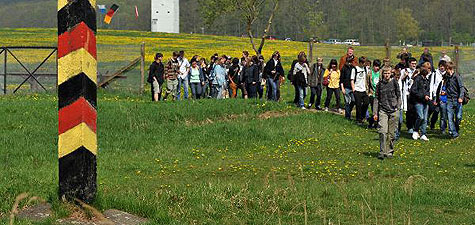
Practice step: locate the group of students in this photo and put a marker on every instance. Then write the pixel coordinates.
(223, 77)
(412, 87)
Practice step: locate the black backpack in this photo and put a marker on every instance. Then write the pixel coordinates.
(466, 94)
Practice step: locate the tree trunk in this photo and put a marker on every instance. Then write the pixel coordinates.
(271, 18)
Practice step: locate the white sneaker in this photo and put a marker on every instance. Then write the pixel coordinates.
(424, 138)
(415, 135)
(309, 106)
(303, 107)
(410, 131)
(326, 109)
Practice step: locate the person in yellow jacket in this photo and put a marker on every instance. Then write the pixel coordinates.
(331, 79)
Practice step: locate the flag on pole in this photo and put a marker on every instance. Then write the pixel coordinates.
(136, 12)
(111, 13)
(102, 9)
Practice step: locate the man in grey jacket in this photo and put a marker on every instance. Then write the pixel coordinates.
(455, 94)
(387, 102)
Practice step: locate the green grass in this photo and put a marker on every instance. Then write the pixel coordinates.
(234, 161)
(222, 162)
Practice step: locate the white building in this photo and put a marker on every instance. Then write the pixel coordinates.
(166, 16)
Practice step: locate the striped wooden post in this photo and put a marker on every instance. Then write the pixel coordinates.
(77, 96)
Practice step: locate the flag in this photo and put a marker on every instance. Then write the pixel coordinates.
(102, 9)
(136, 12)
(111, 13)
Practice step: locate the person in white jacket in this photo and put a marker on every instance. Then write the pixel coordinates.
(435, 79)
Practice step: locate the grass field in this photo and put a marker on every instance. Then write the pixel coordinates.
(236, 161)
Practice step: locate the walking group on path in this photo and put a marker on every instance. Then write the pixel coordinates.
(416, 88)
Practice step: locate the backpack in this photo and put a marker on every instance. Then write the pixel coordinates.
(326, 80)
(466, 94)
(356, 73)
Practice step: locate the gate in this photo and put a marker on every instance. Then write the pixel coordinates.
(31, 76)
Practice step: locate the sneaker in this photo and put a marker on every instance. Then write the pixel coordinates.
(309, 106)
(410, 131)
(325, 109)
(455, 136)
(381, 156)
(341, 111)
(303, 107)
(318, 108)
(415, 135)
(390, 156)
(424, 138)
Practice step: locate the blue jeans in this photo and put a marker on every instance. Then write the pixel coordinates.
(454, 116)
(349, 102)
(400, 120)
(302, 94)
(182, 82)
(443, 116)
(422, 111)
(272, 85)
(196, 90)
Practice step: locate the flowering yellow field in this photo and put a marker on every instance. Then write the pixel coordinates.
(116, 46)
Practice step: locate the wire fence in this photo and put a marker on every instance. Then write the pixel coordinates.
(113, 58)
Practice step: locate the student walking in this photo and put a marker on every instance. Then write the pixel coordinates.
(441, 102)
(171, 72)
(196, 78)
(233, 77)
(301, 72)
(346, 89)
(273, 72)
(374, 80)
(455, 95)
(360, 87)
(407, 78)
(156, 77)
(250, 76)
(420, 95)
(331, 79)
(387, 101)
(348, 57)
(218, 76)
(435, 79)
(183, 75)
(315, 81)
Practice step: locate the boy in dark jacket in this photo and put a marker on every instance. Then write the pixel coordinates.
(387, 103)
(420, 95)
(273, 71)
(455, 94)
(156, 77)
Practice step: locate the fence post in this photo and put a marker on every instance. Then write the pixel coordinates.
(142, 67)
(457, 58)
(5, 72)
(388, 49)
(77, 99)
(310, 51)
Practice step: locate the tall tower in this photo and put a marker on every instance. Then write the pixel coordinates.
(166, 16)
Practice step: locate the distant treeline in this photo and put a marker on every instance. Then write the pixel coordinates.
(370, 21)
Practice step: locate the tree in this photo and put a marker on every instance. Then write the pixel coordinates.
(407, 27)
(316, 25)
(250, 10)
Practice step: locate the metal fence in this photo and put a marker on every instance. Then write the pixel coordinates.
(28, 68)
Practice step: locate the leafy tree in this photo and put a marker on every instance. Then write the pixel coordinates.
(407, 27)
(249, 10)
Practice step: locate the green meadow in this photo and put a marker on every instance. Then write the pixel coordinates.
(235, 161)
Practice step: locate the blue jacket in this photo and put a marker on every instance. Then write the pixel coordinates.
(218, 75)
